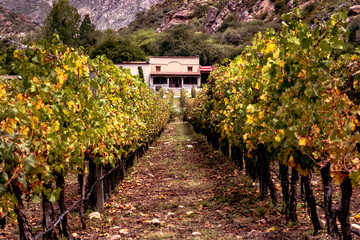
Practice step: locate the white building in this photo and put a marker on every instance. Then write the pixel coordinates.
(168, 72)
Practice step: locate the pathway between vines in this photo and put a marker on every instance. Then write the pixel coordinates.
(183, 189)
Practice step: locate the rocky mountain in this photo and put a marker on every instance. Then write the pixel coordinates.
(211, 15)
(14, 24)
(104, 14)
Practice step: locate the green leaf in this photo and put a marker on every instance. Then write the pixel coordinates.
(337, 42)
(29, 162)
(52, 198)
(3, 178)
(2, 189)
(36, 198)
(35, 59)
(286, 17)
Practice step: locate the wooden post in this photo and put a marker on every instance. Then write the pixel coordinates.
(99, 188)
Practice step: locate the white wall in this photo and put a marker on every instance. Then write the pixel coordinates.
(135, 71)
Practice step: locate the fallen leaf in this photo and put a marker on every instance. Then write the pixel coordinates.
(271, 229)
(189, 213)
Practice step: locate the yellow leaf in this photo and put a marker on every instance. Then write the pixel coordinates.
(2, 91)
(280, 135)
(19, 96)
(66, 67)
(261, 115)
(249, 119)
(270, 48)
(302, 141)
(316, 128)
(357, 216)
(250, 108)
(302, 74)
(56, 126)
(71, 104)
(9, 130)
(12, 123)
(353, 126)
(234, 90)
(35, 79)
(39, 105)
(34, 120)
(24, 130)
(245, 136)
(291, 162)
(271, 229)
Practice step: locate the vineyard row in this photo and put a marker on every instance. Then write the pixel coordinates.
(69, 115)
(291, 98)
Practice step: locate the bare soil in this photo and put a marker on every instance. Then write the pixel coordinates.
(183, 189)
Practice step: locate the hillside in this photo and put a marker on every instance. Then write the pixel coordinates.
(104, 14)
(14, 24)
(211, 16)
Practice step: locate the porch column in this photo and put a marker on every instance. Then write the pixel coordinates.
(168, 82)
(182, 82)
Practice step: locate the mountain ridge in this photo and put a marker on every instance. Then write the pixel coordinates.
(104, 14)
(14, 24)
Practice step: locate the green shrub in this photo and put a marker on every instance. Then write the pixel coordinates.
(182, 97)
(193, 92)
(161, 92)
(281, 7)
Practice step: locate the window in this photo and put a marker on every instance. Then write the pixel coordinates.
(190, 80)
(190, 69)
(160, 80)
(158, 68)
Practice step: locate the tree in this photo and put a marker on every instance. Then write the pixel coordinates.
(63, 20)
(181, 41)
(6, 56)
(119, 51)
(147, 40)
(86, 32)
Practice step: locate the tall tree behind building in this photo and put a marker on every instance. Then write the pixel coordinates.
(63, 20)
(86, 32)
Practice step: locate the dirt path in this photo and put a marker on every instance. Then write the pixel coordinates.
(183, 189)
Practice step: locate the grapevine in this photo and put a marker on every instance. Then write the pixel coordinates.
(289, 98)
(64, 106)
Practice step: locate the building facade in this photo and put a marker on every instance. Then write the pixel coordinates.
(168, 72)
(174, 72)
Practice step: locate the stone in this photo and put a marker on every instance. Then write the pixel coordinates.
(177, 16)
(354, 11)
(154, 221)
(115, 237)
(96, 215)
(210, 20)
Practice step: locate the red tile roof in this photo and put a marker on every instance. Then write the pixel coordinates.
(206, 68)
(134, 62)
(175, 73)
